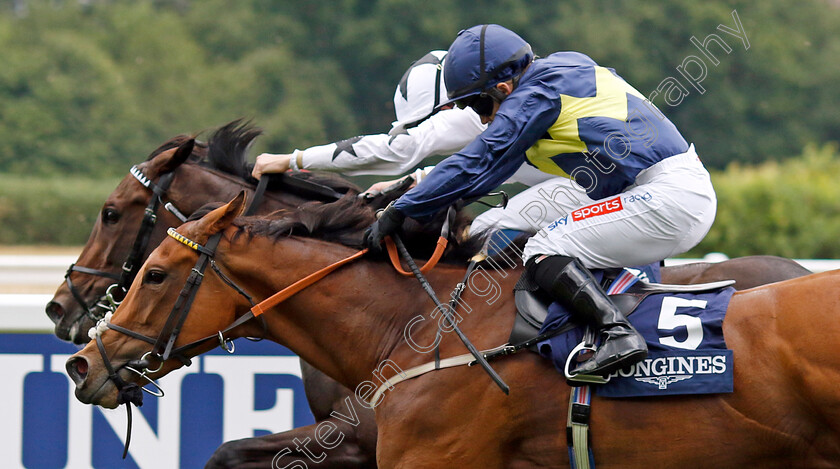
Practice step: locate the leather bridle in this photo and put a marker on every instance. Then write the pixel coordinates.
(134, 261)
(162, 346)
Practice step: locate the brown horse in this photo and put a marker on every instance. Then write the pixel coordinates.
(351, 325)
(748, 272)
(215, 172)
(199, 174)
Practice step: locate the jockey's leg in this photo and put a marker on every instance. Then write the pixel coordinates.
(530, 210)
(573, 286)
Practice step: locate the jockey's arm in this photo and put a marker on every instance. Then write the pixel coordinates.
(441, 134)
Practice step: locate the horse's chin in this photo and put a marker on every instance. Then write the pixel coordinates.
(79, 331)
(105, 395)
(74, 327)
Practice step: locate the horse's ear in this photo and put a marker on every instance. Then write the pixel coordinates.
(167, 162)
(222, 217)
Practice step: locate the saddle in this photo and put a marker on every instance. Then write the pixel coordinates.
(532, 306)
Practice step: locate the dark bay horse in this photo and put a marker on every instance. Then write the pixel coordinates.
(200, 173)
(351, 325)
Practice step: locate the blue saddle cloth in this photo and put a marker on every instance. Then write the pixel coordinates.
(684, 333)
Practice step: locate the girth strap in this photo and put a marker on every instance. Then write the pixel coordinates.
(577, 428)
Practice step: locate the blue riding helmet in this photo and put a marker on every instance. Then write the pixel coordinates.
(482, 56)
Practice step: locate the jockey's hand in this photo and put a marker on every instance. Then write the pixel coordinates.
(384, 187)
(389, 221)
(271, 163)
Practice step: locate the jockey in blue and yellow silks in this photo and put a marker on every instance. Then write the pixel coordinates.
(642, 193)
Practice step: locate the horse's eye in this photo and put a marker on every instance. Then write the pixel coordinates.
(154, 277)
(110, 216)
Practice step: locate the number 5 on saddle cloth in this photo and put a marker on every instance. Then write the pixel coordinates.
(682, 325)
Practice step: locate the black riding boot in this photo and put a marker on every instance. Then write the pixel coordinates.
(573, 286)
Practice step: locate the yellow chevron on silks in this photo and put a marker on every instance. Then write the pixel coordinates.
(610, 101)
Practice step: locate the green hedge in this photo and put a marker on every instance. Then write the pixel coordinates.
(789, 209)
(52, 211)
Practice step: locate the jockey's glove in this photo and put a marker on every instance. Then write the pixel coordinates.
(389, 221)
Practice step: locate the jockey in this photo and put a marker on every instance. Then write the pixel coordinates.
(423, 128)
(641, 192)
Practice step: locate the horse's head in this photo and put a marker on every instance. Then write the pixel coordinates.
(118, 234)
(141, 335)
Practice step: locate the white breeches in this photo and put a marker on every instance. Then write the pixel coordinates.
(667, 212)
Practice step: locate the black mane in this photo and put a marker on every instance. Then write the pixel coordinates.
(228, 149)
(344, 222)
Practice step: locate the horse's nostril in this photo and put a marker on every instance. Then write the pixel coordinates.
(77, 368)
(54, 311)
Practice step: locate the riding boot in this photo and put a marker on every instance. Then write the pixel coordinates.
(573, 286)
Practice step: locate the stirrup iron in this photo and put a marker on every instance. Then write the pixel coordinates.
(586, 344)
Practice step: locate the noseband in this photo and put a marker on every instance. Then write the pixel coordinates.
(133, 262)
(162, 347)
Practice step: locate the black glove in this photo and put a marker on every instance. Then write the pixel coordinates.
(389, 221)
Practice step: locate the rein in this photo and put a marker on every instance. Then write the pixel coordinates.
(447, 313)
(442, 241)
(133, 262)
(163, 346)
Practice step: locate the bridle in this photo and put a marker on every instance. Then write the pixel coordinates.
(163, 346)
(133, 262)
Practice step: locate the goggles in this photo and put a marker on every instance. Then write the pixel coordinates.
(481, 103)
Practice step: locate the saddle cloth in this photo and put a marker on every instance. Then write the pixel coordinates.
(684, 333)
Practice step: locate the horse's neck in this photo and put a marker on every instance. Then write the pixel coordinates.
(349, 322)
(195, 185)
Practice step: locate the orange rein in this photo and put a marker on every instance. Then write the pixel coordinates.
(307, 281)
(287, 292)
(429, 265)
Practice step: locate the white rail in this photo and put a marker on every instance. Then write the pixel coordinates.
(27, 283)
(814, 265)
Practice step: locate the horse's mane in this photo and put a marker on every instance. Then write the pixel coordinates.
(226, 150)
(342, 221)
(345, 220)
